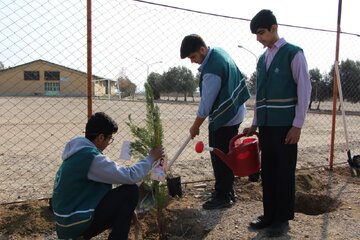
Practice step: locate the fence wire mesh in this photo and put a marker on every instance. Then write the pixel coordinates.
(43, 81)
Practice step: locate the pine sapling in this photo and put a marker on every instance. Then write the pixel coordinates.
(146, 138)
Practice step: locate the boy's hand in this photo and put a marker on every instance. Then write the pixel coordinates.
(293, 136)
(250, 131)
(194, 131)
(195, 128)
(157, 152)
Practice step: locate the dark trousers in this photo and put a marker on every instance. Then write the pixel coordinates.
(278, 164)
(114, 212)
(224, 177)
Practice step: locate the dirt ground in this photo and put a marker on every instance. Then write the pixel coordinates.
(327, 207)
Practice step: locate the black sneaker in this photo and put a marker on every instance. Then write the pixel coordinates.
(254, 177)
(218, 202)
(233, 195)
(259, 223)
(278, 229)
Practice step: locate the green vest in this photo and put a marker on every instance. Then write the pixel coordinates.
(75, 197)
(276, 95)
(233, 92)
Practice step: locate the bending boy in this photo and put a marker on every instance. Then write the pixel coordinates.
(84, 202)
(223, 93)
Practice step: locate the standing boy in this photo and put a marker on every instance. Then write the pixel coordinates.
(83, 201)
(223, 93)
(282, 98)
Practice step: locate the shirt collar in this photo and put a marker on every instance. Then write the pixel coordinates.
(279, 43)
(205, 59)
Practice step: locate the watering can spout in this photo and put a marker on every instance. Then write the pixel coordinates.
(224, 157)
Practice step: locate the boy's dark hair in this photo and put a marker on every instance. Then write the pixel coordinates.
(263, 19)
(191, 44)
(100, 123)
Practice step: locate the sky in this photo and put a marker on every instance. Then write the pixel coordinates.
(319, 14)
(134, 37)
(308, 13)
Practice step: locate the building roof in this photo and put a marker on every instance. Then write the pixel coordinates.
(94, 77)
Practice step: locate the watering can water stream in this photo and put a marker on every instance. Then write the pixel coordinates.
(243, 156)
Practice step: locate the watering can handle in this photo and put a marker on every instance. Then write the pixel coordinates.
(232, 141)
(177, 154)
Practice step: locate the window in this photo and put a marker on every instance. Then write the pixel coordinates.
(52, 75)
(31, 75)
(52, 87)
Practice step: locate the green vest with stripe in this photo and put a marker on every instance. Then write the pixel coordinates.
(233, 92)
(75, 197)
(276, 95)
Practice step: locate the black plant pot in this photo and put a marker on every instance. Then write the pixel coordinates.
(174, 186)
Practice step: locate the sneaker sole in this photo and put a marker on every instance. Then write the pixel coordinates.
(228, 205)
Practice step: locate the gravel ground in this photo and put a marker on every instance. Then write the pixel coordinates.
(327, 207)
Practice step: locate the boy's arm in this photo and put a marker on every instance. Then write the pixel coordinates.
(211, 85)
(194, 129)
(301, 75)
(103, 169)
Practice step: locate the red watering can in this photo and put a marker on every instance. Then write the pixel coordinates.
(243, 156)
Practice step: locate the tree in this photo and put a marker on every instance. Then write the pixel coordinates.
(186, 82)
(126, 87)
(197, 79)
(179, 80)
(321, 87)
(349, 71)
(315, 78)
(168, 84)
(155, 82)
(350, 80)
(2, 66)
(324, 90)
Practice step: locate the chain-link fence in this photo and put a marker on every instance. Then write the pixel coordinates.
(43, 81)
